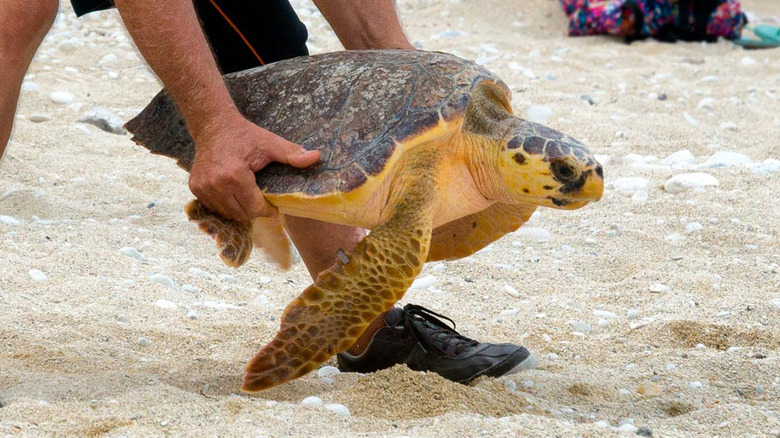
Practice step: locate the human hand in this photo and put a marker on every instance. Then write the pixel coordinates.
(227, 155)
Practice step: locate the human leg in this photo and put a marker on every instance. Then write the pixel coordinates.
(23, 24)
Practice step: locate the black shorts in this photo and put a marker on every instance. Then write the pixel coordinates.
(243, 33)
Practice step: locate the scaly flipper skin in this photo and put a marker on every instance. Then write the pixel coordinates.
(268, 234)
(233, 238)
(469, 234)
(330, 315)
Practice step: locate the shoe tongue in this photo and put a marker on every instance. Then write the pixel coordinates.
(394, 316)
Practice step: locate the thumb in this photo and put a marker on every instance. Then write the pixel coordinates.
(290, 153)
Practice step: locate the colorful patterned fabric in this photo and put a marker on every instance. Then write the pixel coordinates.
(727, 20)
(655, 18)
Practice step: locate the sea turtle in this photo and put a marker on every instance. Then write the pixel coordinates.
(421, 148)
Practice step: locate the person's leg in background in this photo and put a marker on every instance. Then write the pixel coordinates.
(23, 25)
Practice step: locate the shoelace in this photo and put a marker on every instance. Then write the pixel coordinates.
(431, 331)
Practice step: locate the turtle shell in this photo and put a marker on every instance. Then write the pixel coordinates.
(355, 107)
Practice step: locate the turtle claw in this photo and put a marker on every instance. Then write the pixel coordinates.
(233, 238)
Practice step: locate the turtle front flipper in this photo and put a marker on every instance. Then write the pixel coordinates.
(330, 315)
(233, 238)
(469, 234)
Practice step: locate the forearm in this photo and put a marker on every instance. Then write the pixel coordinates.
(169, 37)
(365, 24)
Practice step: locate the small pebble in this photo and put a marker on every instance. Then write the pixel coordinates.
(338, 409)
(29, 86)
(199, 273)
(604, 314)
(632, 314)
(701, 347)
(534, 234)
(39, 117)
(227, 278)
(690, 119)
(630, 184)
(108, 59)
(192, 314)
(680, 159)
(132, 253)
(628, 427)
(580, 326)
(770, 165)
(649, 389)
(165, 281)
(692, 227)
(10, 221)
(423, 282)
(103, 119)
(658, 288)
(707, 103)
(689, 181)
(694, 385)
(37, 275)
(748, 61)
(62, 97)
(729, 126)
(449, 33)
(143, 342)
(587, 99)
(327, 371)
(644, 431)
(726, 159)
(671, 367)
(511, 291)
(312, 402)
(68, 46)
(165, 304)
(539, 114)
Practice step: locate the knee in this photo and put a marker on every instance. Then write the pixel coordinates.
(24, 23)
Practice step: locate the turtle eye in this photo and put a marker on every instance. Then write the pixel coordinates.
(564, 172)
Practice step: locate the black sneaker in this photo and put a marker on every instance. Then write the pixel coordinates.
(415, 336)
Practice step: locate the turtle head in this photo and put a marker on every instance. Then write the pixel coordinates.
(541, 166)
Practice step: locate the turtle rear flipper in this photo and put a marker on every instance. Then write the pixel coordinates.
(235, 238)
(268, 235)
(330, 315)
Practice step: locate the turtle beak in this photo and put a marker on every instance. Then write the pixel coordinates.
(594, 186)
(590, 190)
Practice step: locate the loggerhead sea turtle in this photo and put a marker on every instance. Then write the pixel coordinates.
(421, 148)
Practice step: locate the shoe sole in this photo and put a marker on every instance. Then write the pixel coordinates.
(528, 363)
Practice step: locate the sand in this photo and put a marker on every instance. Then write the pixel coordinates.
(96, 348)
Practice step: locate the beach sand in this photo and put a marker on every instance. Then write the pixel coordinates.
(649, 309)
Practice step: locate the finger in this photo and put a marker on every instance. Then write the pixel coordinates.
(216, 202)
(251, 199)
(290, 153)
